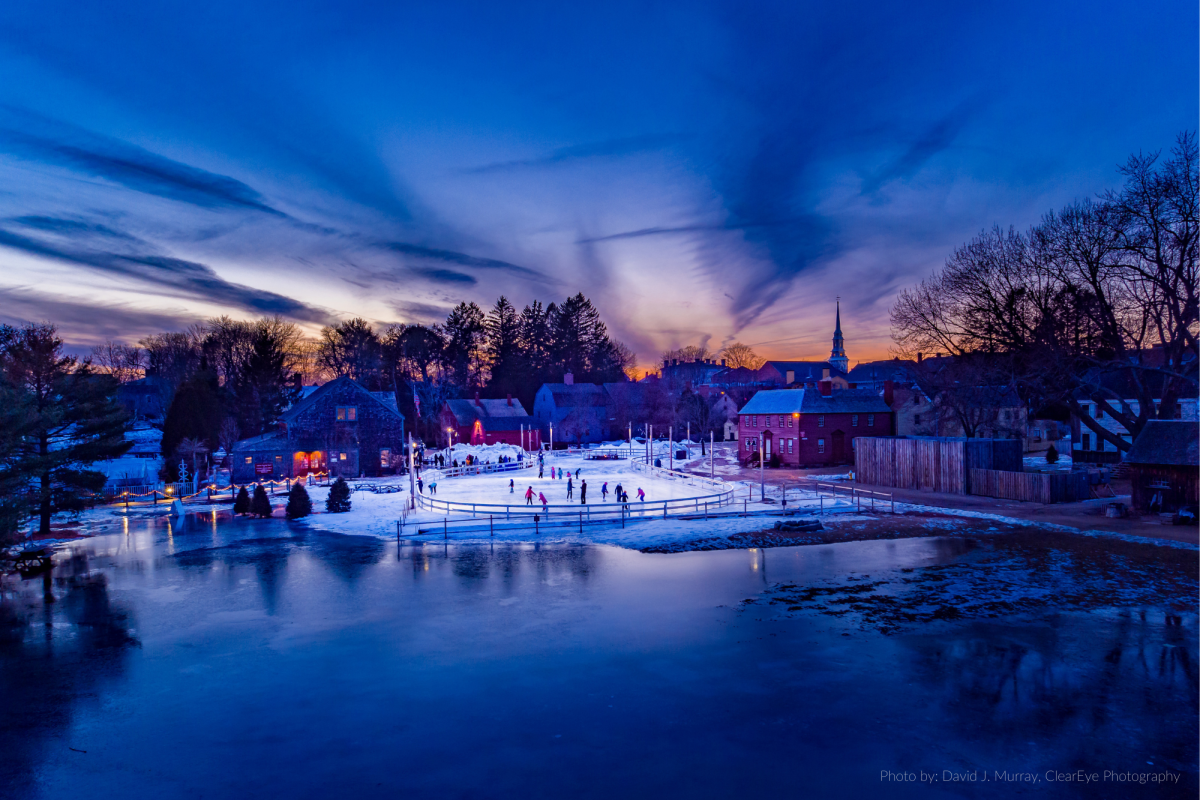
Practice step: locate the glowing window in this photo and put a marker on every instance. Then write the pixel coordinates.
(347, 413)
(341, 457)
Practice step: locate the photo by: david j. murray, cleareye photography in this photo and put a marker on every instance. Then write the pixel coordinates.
(676, 400)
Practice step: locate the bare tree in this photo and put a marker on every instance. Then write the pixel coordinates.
(738, 355)
(122, 361)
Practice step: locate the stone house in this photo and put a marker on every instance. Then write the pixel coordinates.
(810, 427)
(341, 428)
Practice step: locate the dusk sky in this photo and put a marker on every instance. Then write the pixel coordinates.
(703, 172)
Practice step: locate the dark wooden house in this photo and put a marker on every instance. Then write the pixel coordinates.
(340, 428)
(1164, 466)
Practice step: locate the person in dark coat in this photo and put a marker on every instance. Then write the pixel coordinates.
(583, 492)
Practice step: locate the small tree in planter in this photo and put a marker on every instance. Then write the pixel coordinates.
(242, 504)
(1051, 454)
(775, 461)
(260, 506)
(339, 497)
(298, 504)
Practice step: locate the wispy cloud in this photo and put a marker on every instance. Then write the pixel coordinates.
(609, 148)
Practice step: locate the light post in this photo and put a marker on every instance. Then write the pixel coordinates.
(412, 472)
(552, 438)
(712, 470)
(449, 446)
(762, 468)
(671, 447)
(630, 441)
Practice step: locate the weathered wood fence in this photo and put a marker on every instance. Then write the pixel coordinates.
(932, 464)
(1031, 487)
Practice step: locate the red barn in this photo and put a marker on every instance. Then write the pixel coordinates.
(810, 427)
(489, 422)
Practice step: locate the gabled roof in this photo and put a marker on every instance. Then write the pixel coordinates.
(1167, 441)
(491, 412)
(574, 394)
(890, 369)
(368, 397)
(811, 401)
(806, 371)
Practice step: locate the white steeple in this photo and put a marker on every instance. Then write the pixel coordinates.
(838, 357)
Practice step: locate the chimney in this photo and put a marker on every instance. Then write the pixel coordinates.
(825, 386)
(889, 393)
(919, 357)
(722, 362)
(569, 379)
(510, 399)
(825, 374)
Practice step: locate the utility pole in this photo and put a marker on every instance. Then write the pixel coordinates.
(712, 471)
(551, 438)
(671, 447)
(412, 472)
(650, 447)
(630, 439)
(762, 469)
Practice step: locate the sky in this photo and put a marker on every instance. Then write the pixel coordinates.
(704, 172)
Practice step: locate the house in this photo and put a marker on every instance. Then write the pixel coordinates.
(143, 398)
(993, 412)
(915, 413)
(724, 414)
(1089, 447)
(490, 422)
(1164, 466)
(874, 374)
(801, 374)
(810, 427)
(591, 412)
(340, 428)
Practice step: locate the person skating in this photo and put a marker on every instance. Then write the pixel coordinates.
(420, 486)
(544, 501)
(583, 493)
(540, 470)
(619, 491)
(552, 474)
(604, 492)
(641, 495)
(529, 496)
(433, 487)
(577, 474)
(570, 487)
(512, 486)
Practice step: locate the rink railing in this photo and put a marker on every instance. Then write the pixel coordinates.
(634, 509)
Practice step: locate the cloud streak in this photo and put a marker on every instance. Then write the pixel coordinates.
(610, 148)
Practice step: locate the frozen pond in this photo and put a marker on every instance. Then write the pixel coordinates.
(254, 659)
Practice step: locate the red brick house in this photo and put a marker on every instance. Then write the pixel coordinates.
(489, 422)
(810, 427)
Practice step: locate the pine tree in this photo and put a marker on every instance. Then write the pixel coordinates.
(195, 413)
(339, 497)
(15, 425)
(1052, 454)
(74, 420)
(260, 506)
(298, 504)
(242, 504)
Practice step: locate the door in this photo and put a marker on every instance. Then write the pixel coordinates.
(839, 447)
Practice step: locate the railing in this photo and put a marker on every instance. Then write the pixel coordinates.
(587, 512)
(482, 469)
(875, 500)
(166, 492)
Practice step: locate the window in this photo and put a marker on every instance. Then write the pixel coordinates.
(1099, 412)
(791, 443)
(767, 421)
(1085, 441)
(854, 420)
(385, 457)
(916, 419)
(341, 456)
(820, 445)
(870, 420)
(249, 459)
(791, 421)
(754, 420)
(820, 420)
(347, 413)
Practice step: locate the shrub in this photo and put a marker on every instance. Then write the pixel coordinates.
(242, 504)
(339, 497)
(298, 504)
(775, 461)
(260, 506)
(1051, 454)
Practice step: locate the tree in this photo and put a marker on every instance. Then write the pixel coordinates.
(738, 355)
(1051, 454)
(195, 413)
(506, 362)
(266, 384)
(122, 361)
(415, 350)
(16, 424)
(298, 504)
(74, 420)
(191, 450)
(241, 505)
(352, 349)
(465, 353)
(260, 504)
(1098, 302)
(338, 500)
(172, 358)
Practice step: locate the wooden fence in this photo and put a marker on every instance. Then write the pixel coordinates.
(1030, 487)
(932, 464)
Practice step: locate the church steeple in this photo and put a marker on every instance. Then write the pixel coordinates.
(837, 357)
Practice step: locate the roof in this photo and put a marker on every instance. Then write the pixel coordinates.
(811, 401)
(492, 412)
(1167, 441)
(890, 369)
(574, 394)
(305, 402)
(806, 371)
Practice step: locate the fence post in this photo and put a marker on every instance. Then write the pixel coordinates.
(445, 532)
(155, 493)
(491, 526)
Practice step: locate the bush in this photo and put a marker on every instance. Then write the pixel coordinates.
(1051, 454)
(339, 497)
(298, 504)
(260, 506)
(242, 504)
(775, 461)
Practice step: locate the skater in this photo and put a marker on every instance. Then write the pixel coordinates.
(511, 486)
(529, 496)
(604, 492)
(552, 474)
(583, 493)
(641, 495)
(433, 487)
(570, 487)
(539, 470)
(545, 502)
(619, 491)
(577, 474)
(420, 486)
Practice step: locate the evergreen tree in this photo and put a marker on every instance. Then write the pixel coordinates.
(260, 505)
(339, 497)
(466, 336)
(298, 504)
(242, 504)
(504, 349)
(74, 419)
(195, 413)
(1051, 454)
(15, 425)
(266, 383)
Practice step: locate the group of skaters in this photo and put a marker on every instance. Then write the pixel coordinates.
(471, 461)
(621, 495)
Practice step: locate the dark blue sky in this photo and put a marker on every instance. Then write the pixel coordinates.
(703, 171)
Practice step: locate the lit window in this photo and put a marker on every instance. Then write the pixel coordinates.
(249, 459)
(341, 456)
(385, 457)
(820, 445)
(870, 420)
(820, 420)
(854, 420)
(347, 413)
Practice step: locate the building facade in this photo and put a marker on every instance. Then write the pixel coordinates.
(490, 422)
(340, 428)
(810, 427)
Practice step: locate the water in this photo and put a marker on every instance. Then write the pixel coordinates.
(256, 659)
